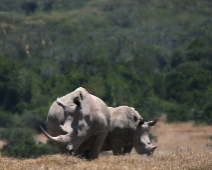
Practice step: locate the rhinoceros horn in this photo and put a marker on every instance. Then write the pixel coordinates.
(61, 140)
(153, 122)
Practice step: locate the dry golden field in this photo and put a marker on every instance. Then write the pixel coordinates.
(180, 146)
(192, 160)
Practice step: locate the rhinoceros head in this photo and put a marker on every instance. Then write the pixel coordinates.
(72, 109)
(71, 104)
(141, 141)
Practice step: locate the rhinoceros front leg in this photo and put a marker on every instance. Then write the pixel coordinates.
(106, 145)
(83, 151)
(96, 146)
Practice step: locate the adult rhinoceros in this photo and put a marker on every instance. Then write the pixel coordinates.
(128, 130)
(78, 119)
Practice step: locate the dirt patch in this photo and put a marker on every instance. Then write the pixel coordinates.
(40, 138)
(181, 136)
(2, 143)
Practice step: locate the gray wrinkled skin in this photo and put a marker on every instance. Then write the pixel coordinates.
(128, 130)
(78, 122)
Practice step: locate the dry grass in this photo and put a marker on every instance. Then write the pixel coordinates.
(180, 146)
(177, 160)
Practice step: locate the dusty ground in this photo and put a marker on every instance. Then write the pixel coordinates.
(2, 143)
(181, 136)
(40, 138)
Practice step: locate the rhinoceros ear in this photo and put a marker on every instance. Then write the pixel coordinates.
(141, 121)
(78, 99)
(152, 123)
(60, 103)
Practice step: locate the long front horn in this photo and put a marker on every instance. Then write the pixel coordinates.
(60, 140)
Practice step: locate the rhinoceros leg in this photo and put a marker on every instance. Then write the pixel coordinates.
(116, 145)
(83, 151)
(97, 145)
(86, 154)
(106, 145)
(127, 149)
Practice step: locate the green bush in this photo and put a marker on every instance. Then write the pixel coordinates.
(20, 143)
(178, 113)
(5, 118)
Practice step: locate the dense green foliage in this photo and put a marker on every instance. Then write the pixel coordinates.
(155, 56)
(20, 143)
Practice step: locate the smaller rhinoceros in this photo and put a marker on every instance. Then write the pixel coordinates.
(128, 130)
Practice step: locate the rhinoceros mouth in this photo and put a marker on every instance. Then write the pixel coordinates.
(151, 151)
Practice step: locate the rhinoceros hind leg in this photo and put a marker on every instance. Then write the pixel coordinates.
(127, 149)
(116, 145)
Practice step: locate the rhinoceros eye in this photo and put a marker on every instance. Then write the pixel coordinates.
(141, 143)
